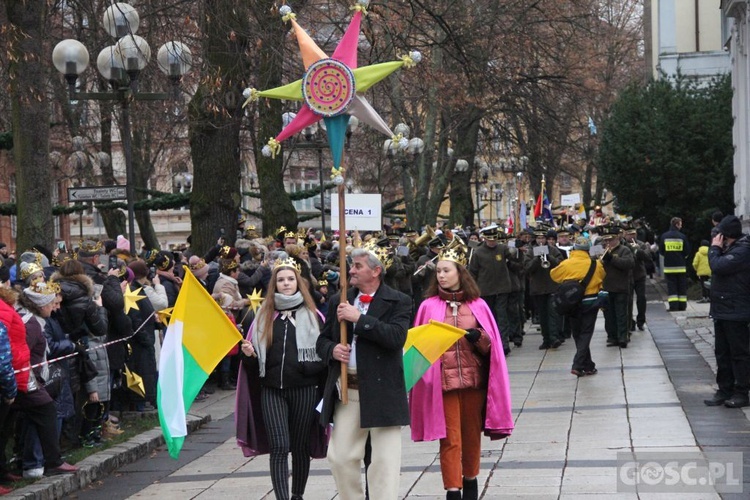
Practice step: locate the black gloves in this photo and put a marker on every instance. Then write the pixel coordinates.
(473, 335)
(79, 348)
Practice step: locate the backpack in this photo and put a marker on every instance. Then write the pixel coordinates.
(570, 294)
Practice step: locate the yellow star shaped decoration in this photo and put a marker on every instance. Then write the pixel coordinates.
(255, 300)
(132, 298)
(164, 315)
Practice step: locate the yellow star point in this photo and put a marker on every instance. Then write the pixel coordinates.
(164, 315)
(131, 299)
(255, 300)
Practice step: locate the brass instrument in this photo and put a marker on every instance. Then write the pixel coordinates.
(545, 262)
(422, 240)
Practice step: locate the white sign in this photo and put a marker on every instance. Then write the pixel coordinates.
(569, 200)
(540, 250)
(362, 212)
(98, 193)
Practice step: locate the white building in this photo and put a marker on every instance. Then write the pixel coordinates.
(736, 14)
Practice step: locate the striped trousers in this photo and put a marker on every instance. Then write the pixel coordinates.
(288, 415)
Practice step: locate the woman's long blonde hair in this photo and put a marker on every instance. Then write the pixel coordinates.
(268, 308)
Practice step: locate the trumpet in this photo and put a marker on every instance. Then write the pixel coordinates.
(606, 251)
(545, 263)
(455, 242)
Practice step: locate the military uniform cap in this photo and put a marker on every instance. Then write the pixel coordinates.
(490, 232)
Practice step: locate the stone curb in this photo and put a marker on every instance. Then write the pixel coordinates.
(99, 465)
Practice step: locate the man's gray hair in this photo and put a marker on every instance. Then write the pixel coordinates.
(372, 261)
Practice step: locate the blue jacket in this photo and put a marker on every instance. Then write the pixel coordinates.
(730, 281)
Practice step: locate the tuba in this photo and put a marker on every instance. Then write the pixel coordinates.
(416, 245)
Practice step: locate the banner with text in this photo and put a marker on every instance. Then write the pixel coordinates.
(362, 212)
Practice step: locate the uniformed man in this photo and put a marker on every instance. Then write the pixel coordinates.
(542, 287)
(642, 255)
(618, 263)
(489, 266)
(674, 246)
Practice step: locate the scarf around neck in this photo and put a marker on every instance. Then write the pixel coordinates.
(306, 328)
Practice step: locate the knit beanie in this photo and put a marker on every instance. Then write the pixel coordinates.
(582, 243)
(731, 227)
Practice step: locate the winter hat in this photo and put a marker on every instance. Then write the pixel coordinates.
(122, 243)
(139, 269)
(199, 267)
(731, 227)
(582, 243)
(41, 293)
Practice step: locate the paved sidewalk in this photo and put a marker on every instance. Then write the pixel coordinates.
(568, 434)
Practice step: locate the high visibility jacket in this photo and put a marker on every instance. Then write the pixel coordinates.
(674, 246)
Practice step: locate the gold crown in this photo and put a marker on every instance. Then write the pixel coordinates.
(383, 254)
(281, 230)
(288, 262)
(290, 234)
(457, 255)
(322, 282)
(228, 264)
(44, 287)
(30, 269)
(198, 265)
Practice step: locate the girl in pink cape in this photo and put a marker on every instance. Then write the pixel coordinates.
(466, 391)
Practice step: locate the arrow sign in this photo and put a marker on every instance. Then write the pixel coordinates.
(97, 193)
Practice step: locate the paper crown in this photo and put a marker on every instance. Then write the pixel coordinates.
(280, 231)
(228, 264)
(45, 287)
(29, 268)
(454, 253)
(383, 254)
(198, 265)
(322, 283)
(288, 262)
(290, 234)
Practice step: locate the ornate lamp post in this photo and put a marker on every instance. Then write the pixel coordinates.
(121, 64)
(403, 154)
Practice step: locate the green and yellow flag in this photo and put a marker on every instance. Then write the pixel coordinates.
(199, 335)
(424, 345)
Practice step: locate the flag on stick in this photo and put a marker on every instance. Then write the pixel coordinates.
(543, 206)
(199, 335)
(424, 345)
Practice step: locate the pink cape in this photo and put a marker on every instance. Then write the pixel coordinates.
(426, 399)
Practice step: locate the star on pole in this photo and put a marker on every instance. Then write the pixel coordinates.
(164, 315)
(131, 299)
(255, 300)
(332, 88)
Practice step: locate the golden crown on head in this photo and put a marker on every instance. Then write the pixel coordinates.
(228, 264)
(322, 283)
(198, 265)
(44, 287)
(281, 230)
(455, 251)
(30, 269)
(383, 254)
(290, 234)
(288, 262)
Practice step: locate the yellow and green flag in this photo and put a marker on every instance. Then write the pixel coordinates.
(199, 335)
(424, 345)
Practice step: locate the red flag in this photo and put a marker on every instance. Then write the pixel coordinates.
(539, 205)
(509, 225)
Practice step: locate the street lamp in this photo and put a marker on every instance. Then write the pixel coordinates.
(120, 64)
(494, 195)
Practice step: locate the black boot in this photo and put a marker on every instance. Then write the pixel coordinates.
(452, 495)
(471, 489)
(226, 383)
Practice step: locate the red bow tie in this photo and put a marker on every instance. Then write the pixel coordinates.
(365, 299)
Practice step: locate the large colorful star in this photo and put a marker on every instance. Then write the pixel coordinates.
(332, 88)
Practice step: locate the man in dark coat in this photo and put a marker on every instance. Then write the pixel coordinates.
(378, 318)
(618, 263)
(729, 258)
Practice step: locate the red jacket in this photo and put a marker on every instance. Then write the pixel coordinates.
(18, 346)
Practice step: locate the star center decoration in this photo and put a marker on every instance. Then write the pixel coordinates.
(255, 300)
(131, 299)
(332, 89)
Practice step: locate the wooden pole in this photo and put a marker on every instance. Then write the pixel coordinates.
(344, 285)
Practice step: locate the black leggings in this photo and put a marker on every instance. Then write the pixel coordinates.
(288, 415)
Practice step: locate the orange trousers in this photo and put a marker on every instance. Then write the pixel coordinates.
(460, 449)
